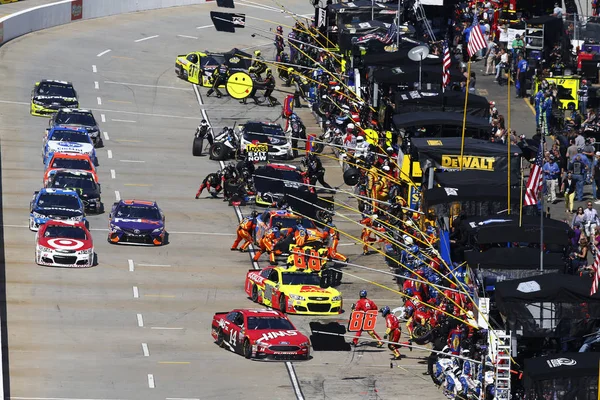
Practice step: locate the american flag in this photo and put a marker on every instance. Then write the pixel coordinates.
(446, 66)
(476, 39)
(536, 179)
(596, 268)
(391, 34)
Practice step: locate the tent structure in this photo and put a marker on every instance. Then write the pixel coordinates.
(408, 74)
(511, 258)
(449, 101)
(398, 58)
(443, 124)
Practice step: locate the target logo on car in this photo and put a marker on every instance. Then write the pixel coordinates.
(66, 244)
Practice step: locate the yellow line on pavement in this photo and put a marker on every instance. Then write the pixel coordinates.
(160, 295)
(173, 362)
(529, 105)
(138, 184)
(120, 101)
(124, 58)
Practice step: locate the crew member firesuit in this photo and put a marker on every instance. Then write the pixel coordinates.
(244, 231)
(219, 77)
(364, 304)
(213, 180)
(393, 331)
(267, 243)
(258, 66)
(365, 236)
(315, 170)
(334, 235)
(269, 85)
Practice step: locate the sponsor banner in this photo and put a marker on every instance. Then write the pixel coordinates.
(76, 10)
(257, 152)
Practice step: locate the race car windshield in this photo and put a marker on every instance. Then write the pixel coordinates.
(54, 89)
(301, 278)
(68, 232)
(58, 201)
(85, 119)
(70, 136)
(73, 181)
(292, 222)
(69, 163)
(138, 212)
(260, 133)
(259, 323)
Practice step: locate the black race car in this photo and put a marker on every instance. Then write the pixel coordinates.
(75, 118)
(84, 184)
(48, 96)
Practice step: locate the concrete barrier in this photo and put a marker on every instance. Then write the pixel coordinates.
(66, 11)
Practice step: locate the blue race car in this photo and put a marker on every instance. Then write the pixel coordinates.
(60, 139)
(55, 204)
(137, 222)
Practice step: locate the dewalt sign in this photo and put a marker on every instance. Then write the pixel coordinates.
(468, 162)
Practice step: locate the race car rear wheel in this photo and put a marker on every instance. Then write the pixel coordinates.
(247, 349)
(218, 151)
(220, 338)
(282, 307)
(197, 147)
(254, 294)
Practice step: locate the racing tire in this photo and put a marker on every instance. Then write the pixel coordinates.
(282, 307)
(87, 225)
(247, 349)
(254, 295)
(318, 148)
(218, 151)
(220, 338)
(197, 147)
(351, 176)
(420, 332)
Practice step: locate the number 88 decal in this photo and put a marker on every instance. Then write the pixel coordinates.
(362, 321)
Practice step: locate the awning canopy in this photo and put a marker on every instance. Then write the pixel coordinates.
(558, 366)
(523, 258)
(552, 288)
(409, 73)
(449, 101)
(423, 118)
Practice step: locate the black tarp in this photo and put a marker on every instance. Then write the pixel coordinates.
(557, 288)
(360, 6)
(450, 101)
(349, 31)
(505, 228)
(471, 178)
(398, 58)
(513, 258)
(360, 11)
(444, 153)
(558, 366)
(591, 33)
(409, 74)
(424, 118)
(469, 193)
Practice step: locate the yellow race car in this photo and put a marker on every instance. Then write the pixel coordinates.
(293, 291)
(197, 66)
(48, 96)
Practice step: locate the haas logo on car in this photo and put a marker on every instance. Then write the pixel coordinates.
(65, 244)
(272, 335)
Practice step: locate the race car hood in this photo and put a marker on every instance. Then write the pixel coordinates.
(270, 337)
(70, 147)
(85, 194)
(65, 244)
(137, 223)
(89, 128)
(56, 100)
(57, 213)
(313, 291)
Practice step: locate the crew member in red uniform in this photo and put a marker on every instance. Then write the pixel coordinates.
(244, 231)
(365, 304)
(393, 331)
(267, 243)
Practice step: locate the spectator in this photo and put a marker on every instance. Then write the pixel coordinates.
(571, 150)
(503, 64)
(596, 178)
(557, 12)
(582, 251)
(568, 187)
(579, 165)
(579, 140)
(522, 70)
(590, 220)
(551, 174)
(491, 54)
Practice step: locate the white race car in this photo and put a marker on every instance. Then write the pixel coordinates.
(64, 244)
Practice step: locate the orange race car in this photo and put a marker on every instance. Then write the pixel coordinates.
(62, 161)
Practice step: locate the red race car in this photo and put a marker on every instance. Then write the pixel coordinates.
(64, 244)
(260, 334)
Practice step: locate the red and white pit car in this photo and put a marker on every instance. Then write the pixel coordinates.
(64, 244)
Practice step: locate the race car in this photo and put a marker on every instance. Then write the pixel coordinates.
(197, 67)
(64, 244)
(63, 140)
(255, 132)
(81, 182)
(78, 118)
(293, 291)
(289, 220)
(137, 222)
(48, 96)
(260, 334)
(56, 204)
(271, 180)
(68, 161)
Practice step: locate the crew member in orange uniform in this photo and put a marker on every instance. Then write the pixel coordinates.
(244, 231)
(267, 243)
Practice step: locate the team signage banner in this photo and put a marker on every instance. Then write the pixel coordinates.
(257, 152)
(227, 22)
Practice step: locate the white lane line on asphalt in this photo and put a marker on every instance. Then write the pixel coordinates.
(53, 398)
(146, 38)
(145, 350)
(136, 292)
(258, 45)
(295, 382)
(109, 153)
(106, 137)
(140, 320)
(205, 26)
(99, 100)
(151, 381)
(148, 86)
(96, 85)
(300, 15)
(94, 69)
(117, 195)
(113, 174)
(187, 37)
(181, 398)
(133, 161)
(154, 265)
(272, 8)
(103, 53)
(165, 328)
(260, 8)
(131, 265)
(103, 117)
(124, 120)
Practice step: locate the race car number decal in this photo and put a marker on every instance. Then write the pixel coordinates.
(66, 244)
(362, 321)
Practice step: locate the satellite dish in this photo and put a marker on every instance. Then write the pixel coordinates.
(418, 53)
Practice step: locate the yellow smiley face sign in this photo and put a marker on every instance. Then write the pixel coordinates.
(239, 85)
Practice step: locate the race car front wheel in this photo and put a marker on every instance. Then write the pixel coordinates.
(220, 338)
(254, 294)
(247, 349)
(282, 307)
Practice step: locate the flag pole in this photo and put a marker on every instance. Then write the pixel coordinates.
(508, 142)
(543, 144)
(521, 202)
(462, 142)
